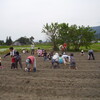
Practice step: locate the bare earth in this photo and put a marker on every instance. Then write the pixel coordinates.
(52, 84)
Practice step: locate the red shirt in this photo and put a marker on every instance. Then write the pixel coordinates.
(13, 60)
(31, 58)
(64, 45)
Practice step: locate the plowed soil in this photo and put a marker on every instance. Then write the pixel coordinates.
(49, 83)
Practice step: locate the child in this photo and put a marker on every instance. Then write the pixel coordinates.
(72, 61)
(61, 59)
(13, 62)
(82, 52)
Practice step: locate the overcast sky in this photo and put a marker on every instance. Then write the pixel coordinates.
(20, 18)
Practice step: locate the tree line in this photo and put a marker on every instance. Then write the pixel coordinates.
(21, 40)
(75, 36)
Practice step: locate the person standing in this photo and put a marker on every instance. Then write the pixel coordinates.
(72, 61)
(0, 61)
(45, 55)
(13, 62)
(16, 56)
(32, 49)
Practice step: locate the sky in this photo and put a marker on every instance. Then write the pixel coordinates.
(19, 18)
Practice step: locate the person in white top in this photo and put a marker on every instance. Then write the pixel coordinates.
(32, 49)
(55, 60)
(66, 59)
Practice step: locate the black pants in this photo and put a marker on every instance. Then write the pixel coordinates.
(20, 63)
(91, 55)
(13, 65)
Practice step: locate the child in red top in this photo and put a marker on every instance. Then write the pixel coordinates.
(13, 61)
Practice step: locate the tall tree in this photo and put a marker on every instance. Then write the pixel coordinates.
(8, 40)
(52, 32)
(75, 36)
(40, 41)
(32, 39)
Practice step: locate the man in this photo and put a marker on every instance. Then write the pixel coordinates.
(32, 49)
(16, 56)
(91, 54)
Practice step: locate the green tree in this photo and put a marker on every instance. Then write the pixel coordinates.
(24, 40)
(40, 41)
(32, 39)
(63, 34)
(9, 40)
(1, 42)
(75, 36)
(52, 32)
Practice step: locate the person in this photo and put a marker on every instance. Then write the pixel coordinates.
(82, 52)
(72, 61)
(18, 60)
(39, 52)
(31, 64)
(61, 61)
(64, 47)
(55, 60)
(45, 55)
(32, 49)
(50, 55)
(0, 61)
(66, 59)
(23, 51)
(13, 62)
(91, 55)
(16, 55)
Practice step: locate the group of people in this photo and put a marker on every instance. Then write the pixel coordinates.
(64, 59)
(90, 54)
(45, 54)
(56, 58)
(16, 58)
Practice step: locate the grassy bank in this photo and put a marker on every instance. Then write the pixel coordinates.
(4, 49)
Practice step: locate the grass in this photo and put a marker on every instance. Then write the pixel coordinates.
(94, 46)
(47, 46)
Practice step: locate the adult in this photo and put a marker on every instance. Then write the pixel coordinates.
(55, 60)
(91, 55)
(16, 56)
(64, 47)
(66, 58)
(31, 63)
(32, 49)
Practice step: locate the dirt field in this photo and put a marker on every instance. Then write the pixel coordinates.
(52, 84)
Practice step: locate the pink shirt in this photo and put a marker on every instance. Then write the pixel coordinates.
(31, 58)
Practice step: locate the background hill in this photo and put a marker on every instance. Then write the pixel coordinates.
(97, 29)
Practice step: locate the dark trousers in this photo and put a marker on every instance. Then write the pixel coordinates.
(91, 55)
(13, 65)
(20, 63)
(55, 63)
